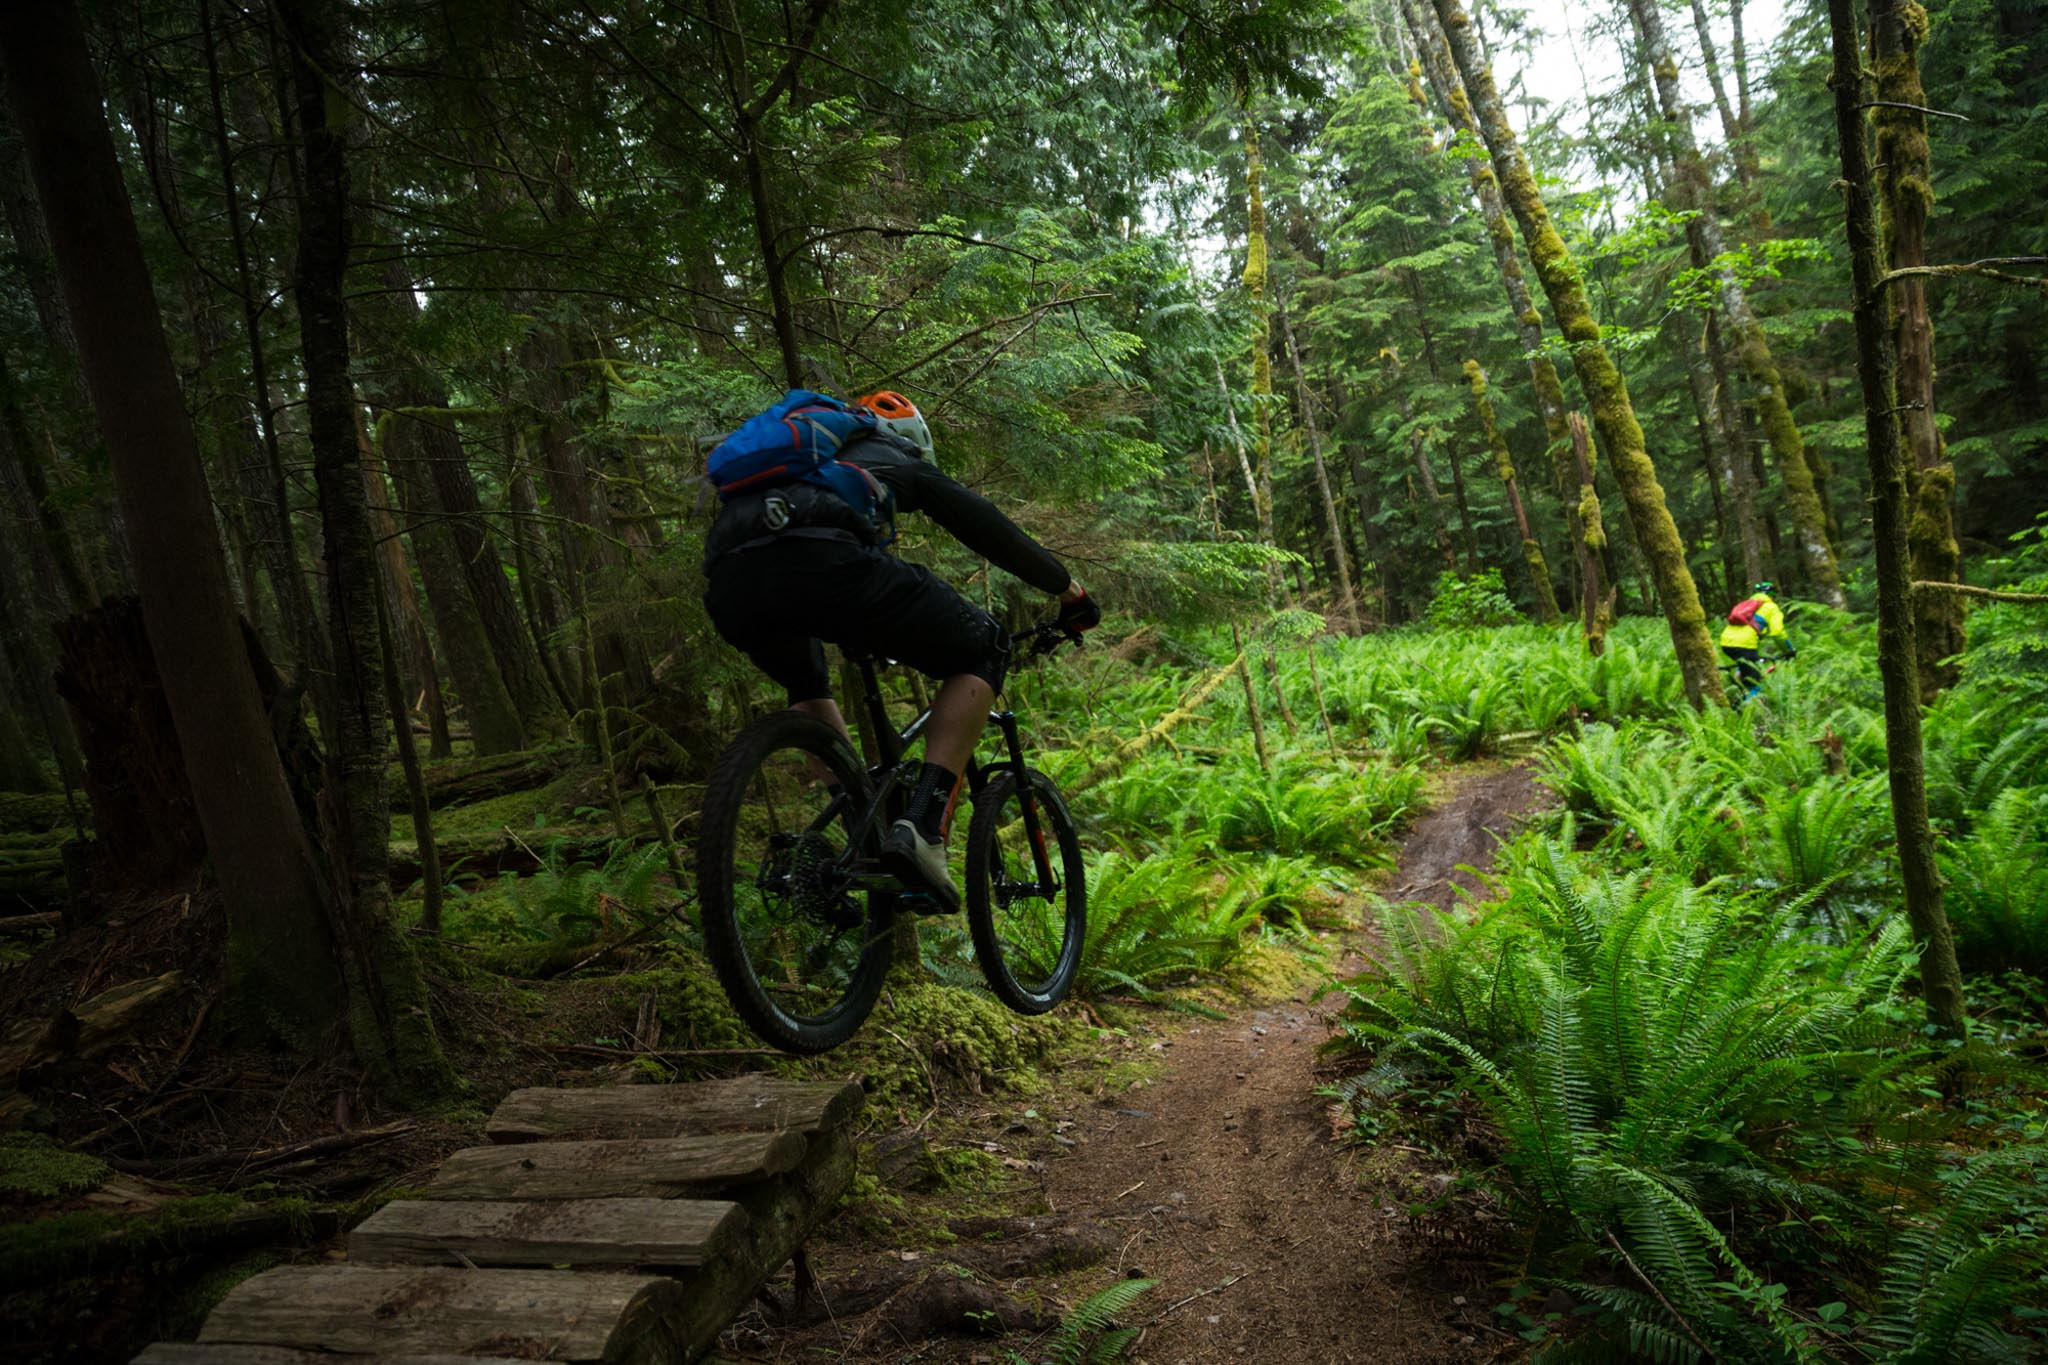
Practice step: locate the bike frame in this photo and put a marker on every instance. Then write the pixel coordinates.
(893, 776)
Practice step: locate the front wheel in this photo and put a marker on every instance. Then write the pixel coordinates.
(1028, 929)
(800, 948)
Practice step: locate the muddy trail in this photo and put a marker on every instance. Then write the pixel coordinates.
(1221, 1175)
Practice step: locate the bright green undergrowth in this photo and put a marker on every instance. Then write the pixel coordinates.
(1683, 1047)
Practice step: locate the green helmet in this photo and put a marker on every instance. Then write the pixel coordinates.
(1764, 587)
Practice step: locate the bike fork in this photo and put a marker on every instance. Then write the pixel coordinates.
(1033, 828)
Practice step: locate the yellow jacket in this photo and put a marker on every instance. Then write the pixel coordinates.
(1746, 637)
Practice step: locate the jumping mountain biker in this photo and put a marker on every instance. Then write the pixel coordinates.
(1741, 640)
(792, 564)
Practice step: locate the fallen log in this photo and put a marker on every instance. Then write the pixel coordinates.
(480, 779)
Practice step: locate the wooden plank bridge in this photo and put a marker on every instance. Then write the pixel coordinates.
(628, 1224)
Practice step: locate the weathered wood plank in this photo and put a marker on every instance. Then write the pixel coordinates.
(630, 1168)
(393, 1310)
(744, 1104)
(781, 1214)
(656, 1233)
(220, 1353)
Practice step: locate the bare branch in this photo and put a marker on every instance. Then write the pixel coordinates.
(1916, 108)
(1988, 267)
(1987, 594)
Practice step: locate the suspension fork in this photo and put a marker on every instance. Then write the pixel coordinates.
(1034, 829)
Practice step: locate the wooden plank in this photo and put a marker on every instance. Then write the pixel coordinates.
(656, 1233)
(557, 1315)
(628, 1168)
(744, 1104)
(781, 1214)
(201, 1353)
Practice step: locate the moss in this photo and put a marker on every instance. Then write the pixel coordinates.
(928, 1035)
(33, 1165)
(694, 1010)
(31, 813)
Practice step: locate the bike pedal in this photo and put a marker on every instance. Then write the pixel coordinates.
(922, 903)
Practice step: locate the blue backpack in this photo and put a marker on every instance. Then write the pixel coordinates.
(798, 441)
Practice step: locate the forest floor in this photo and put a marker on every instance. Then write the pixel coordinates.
(1220, 1173)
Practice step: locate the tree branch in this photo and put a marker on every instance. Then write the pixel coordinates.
(884, 230)
(985, 328)
(1985, 267)
(1987, 594)
(1916, 108)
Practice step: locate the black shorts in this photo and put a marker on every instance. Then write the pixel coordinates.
(777, 602)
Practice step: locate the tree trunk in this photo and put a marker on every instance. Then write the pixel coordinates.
(1740, 151)
(1596, 612)
(1603, 384)
(1347, 597)
(1752, 349)
(1500, 233)
(101, 546)
(1940, 978)
(389, 1019)
(1261, 350)
(262, 480)
(494, 726)
(280, 950)
(1905, 177)
(416, 647)
(1733, 428)
(416, 396)
(1504, 465)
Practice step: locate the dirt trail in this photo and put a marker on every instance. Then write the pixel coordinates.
(1221, 1178)
(1237, 1173)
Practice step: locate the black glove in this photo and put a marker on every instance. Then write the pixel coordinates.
(1081, 614)
(1790, 652)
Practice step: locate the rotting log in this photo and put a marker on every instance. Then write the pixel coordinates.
(1131, 748)
(628, 1168)
(480, 779)
(525, 1314)
(752, 1103)
(659, 1234)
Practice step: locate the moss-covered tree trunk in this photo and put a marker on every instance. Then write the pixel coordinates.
(1596, 612)
(1694, 191)
(1604, 386)
(1905, 177)
(1435, 58)
(1347, 596)
(1261, 345)
(1504, 465)
(390, 1021)
(1876, 367)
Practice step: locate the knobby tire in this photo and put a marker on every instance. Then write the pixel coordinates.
(1026, 986)
(724, 842)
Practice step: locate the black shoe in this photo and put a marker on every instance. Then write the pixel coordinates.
(920, 864)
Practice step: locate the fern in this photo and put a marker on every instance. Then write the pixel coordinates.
(1089, 1334)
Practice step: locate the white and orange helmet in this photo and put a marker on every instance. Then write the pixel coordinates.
(895, 413)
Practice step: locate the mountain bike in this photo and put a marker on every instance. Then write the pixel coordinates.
(798, 910)
(1768, 663)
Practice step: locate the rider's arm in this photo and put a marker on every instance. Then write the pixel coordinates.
(1774, 617)
(970, 518)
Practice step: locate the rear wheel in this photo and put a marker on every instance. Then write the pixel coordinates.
(1027, 934)
(799, 948)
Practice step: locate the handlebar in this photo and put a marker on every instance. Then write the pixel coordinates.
(1044, 638)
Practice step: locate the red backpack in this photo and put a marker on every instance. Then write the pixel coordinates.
(1743, 613)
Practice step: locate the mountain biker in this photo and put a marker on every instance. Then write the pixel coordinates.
(1741, 640)
(791, 564)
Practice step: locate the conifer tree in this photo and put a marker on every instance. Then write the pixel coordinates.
(1613, 414)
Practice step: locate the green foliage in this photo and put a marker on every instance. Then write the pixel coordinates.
(1997, 879)
(1478, 599)
(32, 1165)
(1090, 1334)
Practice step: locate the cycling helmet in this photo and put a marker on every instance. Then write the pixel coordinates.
(1764, 587)
(899, 415)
